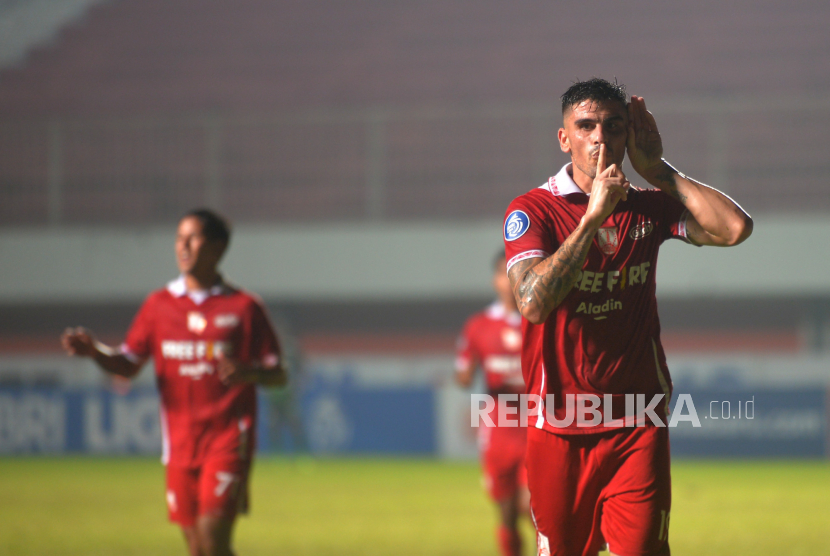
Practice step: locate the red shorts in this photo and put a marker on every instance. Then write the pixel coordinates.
(503, 460)
(590, 489)
(218, 488)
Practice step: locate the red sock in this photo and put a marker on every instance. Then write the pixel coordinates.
(510, 542)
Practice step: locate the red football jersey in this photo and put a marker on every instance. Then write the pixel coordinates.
(186, 333)
(493, 339)
(604, 338)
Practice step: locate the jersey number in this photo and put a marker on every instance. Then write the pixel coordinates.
(225, 480)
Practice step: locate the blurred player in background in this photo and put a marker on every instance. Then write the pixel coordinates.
(582, 251)
(211, 343)
(492, 340)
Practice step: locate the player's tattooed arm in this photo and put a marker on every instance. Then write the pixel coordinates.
(715, 219)
(539, 286)
(645, 150)
(666, 177)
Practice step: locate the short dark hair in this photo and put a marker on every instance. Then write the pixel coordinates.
(214, 227)
(595, 89)
(498, 258)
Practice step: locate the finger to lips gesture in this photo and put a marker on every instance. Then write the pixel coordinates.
(645, 146)
(617, 183)
(609, 187)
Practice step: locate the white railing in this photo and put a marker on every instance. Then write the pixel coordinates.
(721, 141)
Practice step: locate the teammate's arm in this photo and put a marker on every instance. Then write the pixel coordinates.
(266, 365)
(81, 342)
(539, 285)
(715, 218)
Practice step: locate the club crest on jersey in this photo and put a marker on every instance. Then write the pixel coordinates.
(511, 339)
(516, 225)
(641, 230)
(608, 240)
(196, 322)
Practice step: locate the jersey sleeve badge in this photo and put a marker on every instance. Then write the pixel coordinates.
(516, 224)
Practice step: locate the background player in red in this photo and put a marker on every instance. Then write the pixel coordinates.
(492, 340)
(582, 251)
(211, 343)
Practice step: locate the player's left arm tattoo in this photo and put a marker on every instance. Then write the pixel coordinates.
(721, 221)
(666, 179)
(714, 218)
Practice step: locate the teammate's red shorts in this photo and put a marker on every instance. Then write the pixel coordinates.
(590, 489)
(503, 460)
(218, 488)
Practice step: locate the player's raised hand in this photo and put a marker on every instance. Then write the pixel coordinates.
(609, 187)
(644, 144)
(78, 341)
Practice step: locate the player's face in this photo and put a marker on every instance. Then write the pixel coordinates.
(588, 125)
(501, 283)
(195, 254)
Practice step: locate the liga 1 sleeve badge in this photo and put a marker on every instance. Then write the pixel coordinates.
(516, 224)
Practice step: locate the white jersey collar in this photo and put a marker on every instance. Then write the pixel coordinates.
(178, 288)
(497, 311)
(563, 183)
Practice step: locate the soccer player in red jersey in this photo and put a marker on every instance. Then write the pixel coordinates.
(492, 340)
(211, 343)
(582, 251)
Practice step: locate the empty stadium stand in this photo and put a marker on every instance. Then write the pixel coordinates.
(319, 110)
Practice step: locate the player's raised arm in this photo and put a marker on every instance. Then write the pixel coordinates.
(715, 218)
(80, 342)
(540, 285)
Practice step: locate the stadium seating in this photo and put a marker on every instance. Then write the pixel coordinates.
(321, 110)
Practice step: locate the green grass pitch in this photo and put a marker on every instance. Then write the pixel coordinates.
(396, 507)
